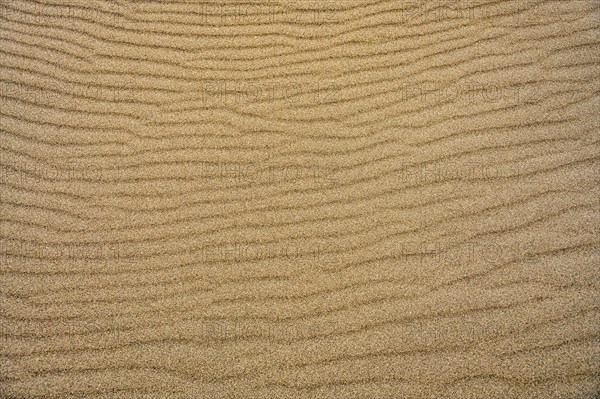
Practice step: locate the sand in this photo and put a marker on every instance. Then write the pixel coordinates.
(361, 199)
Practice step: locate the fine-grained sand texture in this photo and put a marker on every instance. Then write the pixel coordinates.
(370, 199)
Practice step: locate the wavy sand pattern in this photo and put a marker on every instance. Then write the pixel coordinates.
(300, 199)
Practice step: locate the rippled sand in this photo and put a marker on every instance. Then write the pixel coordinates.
(299, 199)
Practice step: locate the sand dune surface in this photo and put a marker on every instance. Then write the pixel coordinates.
(360, 199)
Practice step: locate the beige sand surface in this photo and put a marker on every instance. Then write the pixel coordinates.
(299, 199)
